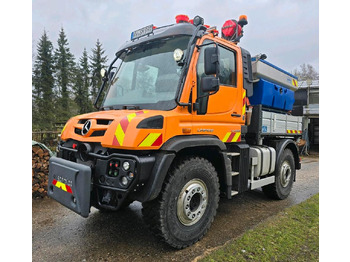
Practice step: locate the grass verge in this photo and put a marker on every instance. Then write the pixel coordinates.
(292, 235)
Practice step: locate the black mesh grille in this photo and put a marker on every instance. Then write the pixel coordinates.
(98, 133)
(103, 121)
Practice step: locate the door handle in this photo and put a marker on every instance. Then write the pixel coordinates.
(236, 115)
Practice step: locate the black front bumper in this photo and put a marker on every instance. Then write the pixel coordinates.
(70, 184)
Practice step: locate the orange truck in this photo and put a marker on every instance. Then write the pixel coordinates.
(177, 129)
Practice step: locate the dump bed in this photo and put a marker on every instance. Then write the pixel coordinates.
(277, 124)
(263, 122)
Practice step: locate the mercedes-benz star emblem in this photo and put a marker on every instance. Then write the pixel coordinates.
(86, 128)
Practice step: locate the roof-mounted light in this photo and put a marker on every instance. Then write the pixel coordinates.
(182, 19)
(233, 30)
(197, 20)
(243, 20)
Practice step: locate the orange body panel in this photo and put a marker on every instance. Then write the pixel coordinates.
(122, 131)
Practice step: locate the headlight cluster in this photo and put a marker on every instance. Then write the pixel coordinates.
(121, 169)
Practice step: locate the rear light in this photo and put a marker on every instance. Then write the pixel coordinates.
(182, 19)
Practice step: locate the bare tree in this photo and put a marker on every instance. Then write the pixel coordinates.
(306, 71)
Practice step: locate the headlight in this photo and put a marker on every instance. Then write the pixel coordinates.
(124, 181)
(126, 165)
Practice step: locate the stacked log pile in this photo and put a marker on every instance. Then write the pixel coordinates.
(40, 171)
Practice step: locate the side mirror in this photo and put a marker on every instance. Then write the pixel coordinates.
(209, 84)
(211, 60)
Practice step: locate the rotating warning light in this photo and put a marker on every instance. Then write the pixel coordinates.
(231, 30)
(243, 20)
(182, 19)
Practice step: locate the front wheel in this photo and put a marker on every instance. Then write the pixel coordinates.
(284, 177)
(186, 206)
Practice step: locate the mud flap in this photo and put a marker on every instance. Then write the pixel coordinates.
(70, 184)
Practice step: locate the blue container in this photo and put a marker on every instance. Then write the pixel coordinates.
(272, 96)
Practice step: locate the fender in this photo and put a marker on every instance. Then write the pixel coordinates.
(281, 145)
(166, 156)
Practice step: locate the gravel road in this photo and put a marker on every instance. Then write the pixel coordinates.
(59, 234)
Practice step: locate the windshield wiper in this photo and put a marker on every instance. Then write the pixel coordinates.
(131, 107)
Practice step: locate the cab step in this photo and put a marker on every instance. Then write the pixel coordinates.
(233, 192)
(234, 173)
(232, 154)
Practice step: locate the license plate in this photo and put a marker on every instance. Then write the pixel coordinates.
(70, 184)
(142, 32)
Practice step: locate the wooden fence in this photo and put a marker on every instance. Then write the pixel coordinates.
(48, 138)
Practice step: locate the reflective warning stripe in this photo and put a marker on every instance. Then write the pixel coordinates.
(232, 137)
(295, 83)
(289, 131)
(62, 186)
(152, 139)
(244, 102)
(119, 134)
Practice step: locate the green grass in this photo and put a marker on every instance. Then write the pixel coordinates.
(292, 235)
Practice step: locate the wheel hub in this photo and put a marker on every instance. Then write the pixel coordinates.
(192, 202)
(286, 174)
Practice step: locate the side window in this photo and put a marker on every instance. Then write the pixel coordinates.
(227, 74)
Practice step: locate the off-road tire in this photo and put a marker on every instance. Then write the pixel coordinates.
(162, 214)
(284, 177)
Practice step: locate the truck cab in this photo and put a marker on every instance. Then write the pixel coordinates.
(173, 131)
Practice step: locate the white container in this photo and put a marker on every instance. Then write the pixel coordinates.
(263, 160)
(265, 70)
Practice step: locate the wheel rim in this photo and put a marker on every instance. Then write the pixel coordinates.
(192, 202)
(286, 174)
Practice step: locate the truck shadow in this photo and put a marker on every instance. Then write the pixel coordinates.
(124, 229)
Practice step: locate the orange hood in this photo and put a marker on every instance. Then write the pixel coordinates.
(118, 128)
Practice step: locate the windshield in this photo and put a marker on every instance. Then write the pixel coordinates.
(147, 76)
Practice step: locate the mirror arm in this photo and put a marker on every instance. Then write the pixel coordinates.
(105, 80)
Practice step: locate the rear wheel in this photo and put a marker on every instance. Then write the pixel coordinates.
(284, 177)
(186, 206)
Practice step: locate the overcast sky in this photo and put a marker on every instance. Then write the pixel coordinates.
(286, 31)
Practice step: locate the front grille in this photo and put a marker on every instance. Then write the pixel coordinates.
(82, 121)
(95, 133)
(103, 121)
(98, 133)
(98, 122)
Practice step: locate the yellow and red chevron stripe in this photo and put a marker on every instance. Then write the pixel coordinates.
(62, 186)
(119, 134)
(244, 102)
(152, 139)
(295, 83)
(294, 131)
(232, 137)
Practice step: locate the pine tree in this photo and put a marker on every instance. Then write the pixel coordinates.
(43, 85)
(82, 83)
(97, 62)
(64, 68)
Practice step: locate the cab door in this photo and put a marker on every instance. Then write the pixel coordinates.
(221, 114)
